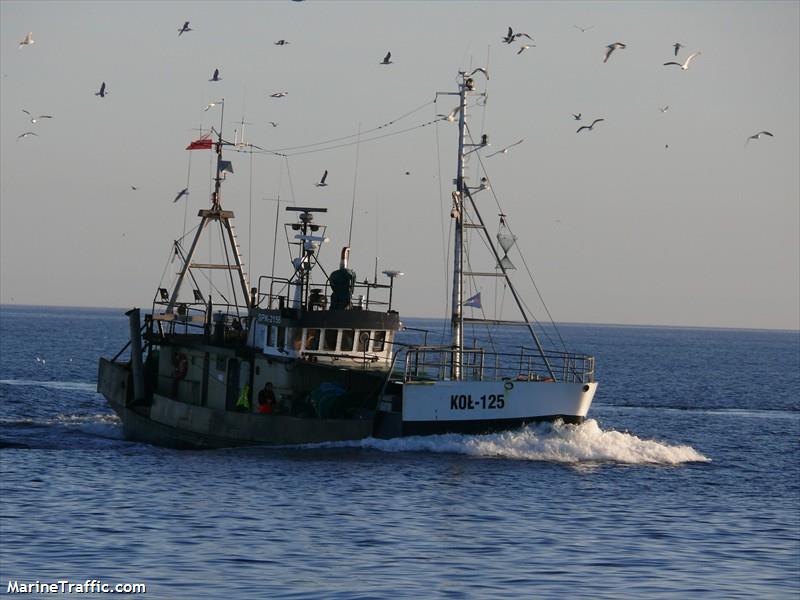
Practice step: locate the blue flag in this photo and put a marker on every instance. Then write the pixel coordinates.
(474, 301)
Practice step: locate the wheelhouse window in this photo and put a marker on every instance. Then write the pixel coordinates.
(329, 342)
(281, 337)
(378, 341)
(312, 339)
(348, 337)
(296, 336)
(363, 341)
(270, 335)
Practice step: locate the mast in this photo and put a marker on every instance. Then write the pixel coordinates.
(215, 213)
(457, 322)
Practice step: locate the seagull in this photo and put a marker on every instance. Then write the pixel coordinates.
(452, 116)
(756, 136)
(28, 40)
(279, 94)
(589, 127)
(611, 47)
(184, 29)
(387, 59)
(322, 181)
(215, 76)
(273, 123)
(511, 36)
(583, 29)
(209, 105)
(664, 109)
(506, 149)
(525, 47)
(26, 134)
(685, 65)
(181, 194)
(281, 43)
(577, 117)
(102, 93)
(677, 46)
(134, 188)
(34, 119)
(481, 70)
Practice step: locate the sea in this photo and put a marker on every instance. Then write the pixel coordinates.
(683, 483)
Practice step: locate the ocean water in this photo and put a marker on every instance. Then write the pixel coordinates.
(684, 483)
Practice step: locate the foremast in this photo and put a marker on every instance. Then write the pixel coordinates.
(224, 217)
(457, 321)
(458, 213)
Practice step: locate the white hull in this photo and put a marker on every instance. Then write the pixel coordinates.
(495, 400)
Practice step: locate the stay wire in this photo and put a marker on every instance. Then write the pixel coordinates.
(524, 262)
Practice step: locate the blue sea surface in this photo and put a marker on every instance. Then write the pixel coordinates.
(685, 482)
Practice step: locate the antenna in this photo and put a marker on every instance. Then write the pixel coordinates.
(236, 141)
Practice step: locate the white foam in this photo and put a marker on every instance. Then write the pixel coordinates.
(53, 385)
(573, 444)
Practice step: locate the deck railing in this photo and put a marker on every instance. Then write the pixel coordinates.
(427, 363)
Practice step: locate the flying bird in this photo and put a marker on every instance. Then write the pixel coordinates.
(322, 181)
(387, 59)
(577, 117)
(184, 29)
(102, 93)
(677, 46)
(685, 65)
(215, 76)
(664, 109)
(506, 149)
(279, 94)
(181, 194)
(511, 36)
(481, 70)
(134, 188)
(28, 40)
(589, 127)
(452, 116)
(525, 47)
(34, 119)
(281, 43)
(611, 47)
(583, 29)
(756, 136)
(209, 105)
(26, 134)
(273, 123)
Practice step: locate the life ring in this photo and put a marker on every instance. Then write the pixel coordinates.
(181, 366)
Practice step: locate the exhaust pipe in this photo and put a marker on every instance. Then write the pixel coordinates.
(136, 356)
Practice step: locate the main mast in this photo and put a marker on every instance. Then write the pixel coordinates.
(457, 322)
(215, 213)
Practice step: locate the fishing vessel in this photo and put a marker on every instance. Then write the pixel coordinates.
(315, 357)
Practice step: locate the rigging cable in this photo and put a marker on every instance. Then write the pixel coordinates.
(524, 262)
(346, 137)
(355, 181)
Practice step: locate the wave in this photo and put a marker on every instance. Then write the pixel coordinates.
(58, 431)
(558, 442)
(731, 412)
(53, 385)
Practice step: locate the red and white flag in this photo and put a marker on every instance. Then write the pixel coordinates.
(204, 143)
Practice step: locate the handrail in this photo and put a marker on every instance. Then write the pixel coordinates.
(433, 362)
(267, 294)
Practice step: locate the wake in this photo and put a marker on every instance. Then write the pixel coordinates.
(558, 442)
(52, 385)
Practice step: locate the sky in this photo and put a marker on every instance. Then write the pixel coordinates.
(652, 218)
